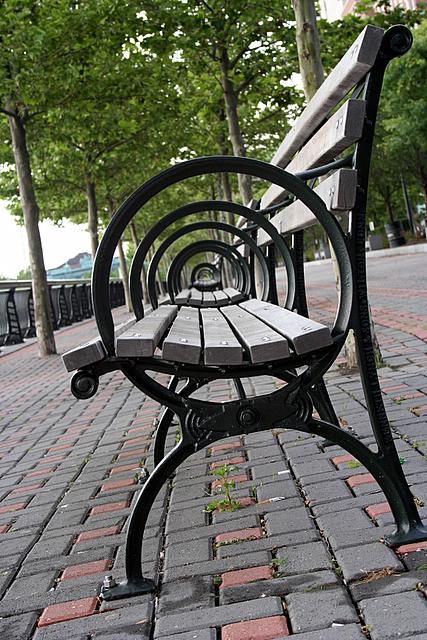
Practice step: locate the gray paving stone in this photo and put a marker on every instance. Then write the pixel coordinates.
(303, 558)
(288, 520)
(188, 552)
(270, 543)
(395, 616)
(357, 562)
(18, 627)
(319, 610)
(390, 584)
(186, 595)
(197, 634)
(346, 632)
(305, 582)
(219, 616)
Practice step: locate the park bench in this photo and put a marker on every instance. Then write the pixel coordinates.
(253, 335)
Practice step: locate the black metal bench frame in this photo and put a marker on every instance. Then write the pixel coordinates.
(202, 422)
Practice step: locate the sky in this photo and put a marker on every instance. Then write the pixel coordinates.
(59, 244)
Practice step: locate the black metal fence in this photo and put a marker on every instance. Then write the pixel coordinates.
(69, 302)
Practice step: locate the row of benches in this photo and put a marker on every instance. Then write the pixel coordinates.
(69, 303)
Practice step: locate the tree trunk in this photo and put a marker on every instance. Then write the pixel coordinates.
(123, 268)
(236, 137)
(389, 208)
(43, 321)
(312, 74)
(308, 46)
(134, 236)
(92, 215)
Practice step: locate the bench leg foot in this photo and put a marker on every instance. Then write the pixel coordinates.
(415, 533)
(127, 589)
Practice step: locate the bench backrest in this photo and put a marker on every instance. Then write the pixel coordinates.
(341, 114)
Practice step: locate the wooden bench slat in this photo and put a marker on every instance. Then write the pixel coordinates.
(356, 62)
(208, 299)
(221, 297)
(338, 192)
(220, 344)
(233, 294)
(142, 340)
(262, 343)
(196, 298)
(182, 296)
(342, 129)
(183, 342)
(91, 351)
(305, 334)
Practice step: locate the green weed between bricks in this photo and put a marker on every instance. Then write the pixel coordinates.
(226, 485)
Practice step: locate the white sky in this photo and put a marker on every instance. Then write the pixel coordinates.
(59, 244)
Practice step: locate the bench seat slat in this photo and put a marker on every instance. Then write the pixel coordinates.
(233, 294)
(262, 343)
(338, 192)
(142, 340)
(221, 346)
(305, 334)
(221, 297)
(183, 342)
(342, 129)
(182, 296)
(208, 299)
(91, 351)
(196, 298)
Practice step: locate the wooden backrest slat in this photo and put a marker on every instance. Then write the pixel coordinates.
(338, 133)
(305, 334)
(221, 346)
(338, 192)
(262, 343)
(183, 342)
(356, 62)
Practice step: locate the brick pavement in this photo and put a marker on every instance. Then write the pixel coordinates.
(302, 556)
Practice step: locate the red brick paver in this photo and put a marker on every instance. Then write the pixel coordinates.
(259, 629)
(226, 446)
(245, 576)
(111, 506)
(68, 611)
(85, 569)
(242, 534)
(117, 484)
(97, 533)
(17, 506)
(220, 463)
(375, 510)
(361, 478)
(412, 547)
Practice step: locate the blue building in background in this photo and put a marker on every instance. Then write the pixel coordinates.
(76, 268)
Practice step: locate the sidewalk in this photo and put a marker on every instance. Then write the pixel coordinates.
(303, 556)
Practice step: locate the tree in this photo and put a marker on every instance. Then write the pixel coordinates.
(405, 107)
(39, 44)
(238, 51)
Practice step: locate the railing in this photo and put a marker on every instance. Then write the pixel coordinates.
(70, 302)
